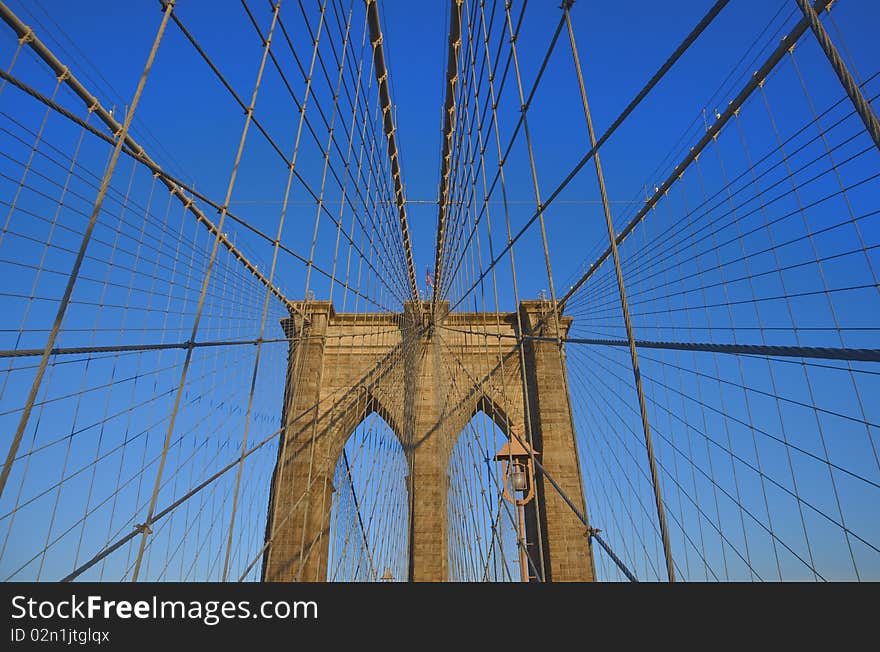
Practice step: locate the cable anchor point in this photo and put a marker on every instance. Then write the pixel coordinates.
(143, 528)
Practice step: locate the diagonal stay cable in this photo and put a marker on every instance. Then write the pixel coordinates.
(756, 80)
(655, 79)
(116, 128)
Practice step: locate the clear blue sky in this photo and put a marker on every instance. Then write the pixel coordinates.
(189, 124)
(621, 45)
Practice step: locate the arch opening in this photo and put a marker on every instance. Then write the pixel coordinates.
(369, 514)
(483, 526)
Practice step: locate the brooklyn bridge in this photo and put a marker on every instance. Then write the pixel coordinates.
(471, 290)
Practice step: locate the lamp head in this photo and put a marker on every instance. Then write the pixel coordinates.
(518, 470)
(517, 477)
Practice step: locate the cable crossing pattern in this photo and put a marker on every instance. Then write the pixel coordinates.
(645, 349)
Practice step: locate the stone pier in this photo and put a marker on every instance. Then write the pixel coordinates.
(426, 375)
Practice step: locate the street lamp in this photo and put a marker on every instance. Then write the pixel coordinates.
(518, 470)
(517, 478)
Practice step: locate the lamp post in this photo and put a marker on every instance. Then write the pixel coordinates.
(518, 471)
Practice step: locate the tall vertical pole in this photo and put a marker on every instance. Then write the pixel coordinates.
(637, 378)
(521, 527)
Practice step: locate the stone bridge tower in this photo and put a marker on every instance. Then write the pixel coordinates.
(426, 377)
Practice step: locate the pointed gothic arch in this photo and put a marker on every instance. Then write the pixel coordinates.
(482, 541)
(369, 513)
(339, 372)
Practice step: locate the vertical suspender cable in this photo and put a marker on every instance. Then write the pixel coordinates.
(637, 378)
